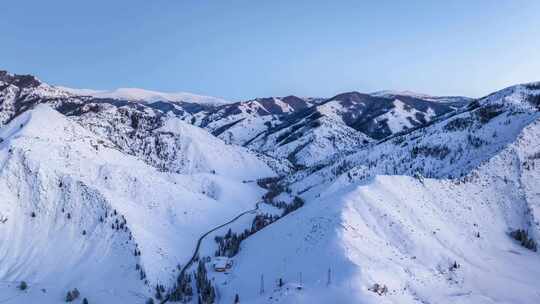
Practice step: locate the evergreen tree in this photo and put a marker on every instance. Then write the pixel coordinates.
(158, 293)
(204, 285)
(69, 297)
(75, 293)
(236, 299)
(23, 285)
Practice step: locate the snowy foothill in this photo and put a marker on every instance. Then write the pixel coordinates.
(65, 192)
(199, 148)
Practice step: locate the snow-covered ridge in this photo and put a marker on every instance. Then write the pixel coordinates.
(442, 184)
(449, 147)
(75, 209)
(384, 93)
(427, 240)
(394, 93)
(142, 95)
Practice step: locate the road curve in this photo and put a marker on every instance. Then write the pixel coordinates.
(196, 251)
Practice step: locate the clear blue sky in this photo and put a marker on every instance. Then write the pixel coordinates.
(244, 49)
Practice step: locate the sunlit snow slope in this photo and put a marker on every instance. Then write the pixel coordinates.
(76, 209)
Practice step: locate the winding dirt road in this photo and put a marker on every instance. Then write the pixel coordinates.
(196, 251)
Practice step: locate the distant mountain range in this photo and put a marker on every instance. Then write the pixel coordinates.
(134, 196)
(142, 95)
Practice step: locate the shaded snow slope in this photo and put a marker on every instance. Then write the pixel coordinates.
(58, 180)
(404, 233)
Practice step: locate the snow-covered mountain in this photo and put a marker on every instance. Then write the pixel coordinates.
(240, 122)
(73, 203)
(456, 100)
(403, 212)
(155, 132)
(344, 123)
(142, 95)
(389, 197)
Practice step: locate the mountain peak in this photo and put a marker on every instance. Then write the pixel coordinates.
(19, 80)
(386, 93)
(142, 95)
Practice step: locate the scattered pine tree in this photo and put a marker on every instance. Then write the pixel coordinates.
(522, 236)
(159, 290)
(454, 266)
(205, 288)
(182, 292)
(69, 297)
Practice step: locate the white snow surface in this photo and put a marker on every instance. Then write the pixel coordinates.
(399, 212)
(52, 167)
(401, 233)
(142, 95)
(405, 233)
(401, 117)
(393, 93)
(204, 152)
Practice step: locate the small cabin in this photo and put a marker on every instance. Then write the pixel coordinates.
(221, 264)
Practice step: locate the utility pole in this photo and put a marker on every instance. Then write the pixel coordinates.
(261, 291)
(329, 280)
(300, 278)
